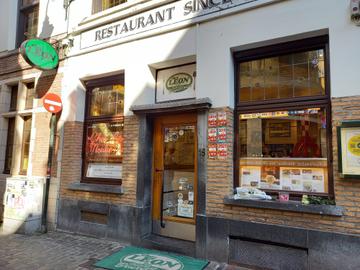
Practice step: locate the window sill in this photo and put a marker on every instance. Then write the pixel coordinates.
(96, 188)
(291, 206)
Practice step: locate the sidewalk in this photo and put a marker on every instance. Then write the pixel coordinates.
(61, 251)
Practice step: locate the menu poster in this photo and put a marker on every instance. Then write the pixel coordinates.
(221, 134)
(104, 170)
(212, 150)
(212, 135)
(212, 120)
(302, 179)
(349, 148)
(270, 177)
(221, 119)
(250, 176)
(222, 150)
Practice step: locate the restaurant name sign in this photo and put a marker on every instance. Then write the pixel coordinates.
(40, 54)
(183, 11)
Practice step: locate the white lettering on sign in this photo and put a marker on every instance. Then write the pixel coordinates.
(171, 14)
(149, 262)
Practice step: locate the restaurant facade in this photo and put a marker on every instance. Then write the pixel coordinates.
(178, 115)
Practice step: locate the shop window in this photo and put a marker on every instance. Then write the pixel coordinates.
(283, 118)
(100, 5)
(103, 135)
(13, 98)
(28, 20)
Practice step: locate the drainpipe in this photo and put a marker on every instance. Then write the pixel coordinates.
(48, 173)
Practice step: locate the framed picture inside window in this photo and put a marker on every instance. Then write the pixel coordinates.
(349, 149)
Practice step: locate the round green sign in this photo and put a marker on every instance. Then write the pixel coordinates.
(40, 54)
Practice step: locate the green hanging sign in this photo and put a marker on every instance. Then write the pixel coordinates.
(39, 54)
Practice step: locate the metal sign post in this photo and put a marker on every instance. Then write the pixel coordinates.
(53, 104)
(48, 172)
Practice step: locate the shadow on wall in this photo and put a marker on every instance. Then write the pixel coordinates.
(47, 27)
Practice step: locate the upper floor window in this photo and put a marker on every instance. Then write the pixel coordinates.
(100, 5)
(28, 20)
(283, 118)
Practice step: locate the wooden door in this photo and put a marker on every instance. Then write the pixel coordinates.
(175, 176)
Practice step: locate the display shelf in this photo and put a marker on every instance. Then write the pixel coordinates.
(291, 206)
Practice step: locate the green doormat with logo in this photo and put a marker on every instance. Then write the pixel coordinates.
(144, 259)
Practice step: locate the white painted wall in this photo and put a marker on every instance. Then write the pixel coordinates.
(51, 18)
(211, 44)
(8, 21)
(215, 69)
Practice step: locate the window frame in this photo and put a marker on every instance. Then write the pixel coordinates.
(9, 150)
(89, 120)
(95, 9)
(321, 101)
(25, 118)
(23, 11)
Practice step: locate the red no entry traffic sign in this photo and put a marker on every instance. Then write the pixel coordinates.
(52, 103)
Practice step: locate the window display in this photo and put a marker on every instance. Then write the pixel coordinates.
(283, 125)
(103, 137)
(289, 146)
(178, 185)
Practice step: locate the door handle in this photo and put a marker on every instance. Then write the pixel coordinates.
(158, 170)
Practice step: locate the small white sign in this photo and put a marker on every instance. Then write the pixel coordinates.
(176, 83)
(104, 170)
(185, 210)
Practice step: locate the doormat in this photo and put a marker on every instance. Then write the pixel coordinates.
(133, 258)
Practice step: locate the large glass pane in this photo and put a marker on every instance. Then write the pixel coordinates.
(178, 178)
(286, 76)
(9, 145)
(104, 150)
(107, 100)
(284, 150)
(31, 22)
(25, 150)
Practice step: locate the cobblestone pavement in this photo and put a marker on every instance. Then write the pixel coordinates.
(61, 251)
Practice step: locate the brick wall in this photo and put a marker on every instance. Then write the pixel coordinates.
(347, 192)
(72, 164)
(14, 67)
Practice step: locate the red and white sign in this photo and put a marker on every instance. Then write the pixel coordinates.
(52, 103)
(212, 136)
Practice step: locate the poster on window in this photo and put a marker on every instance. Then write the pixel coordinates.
(350, 151)
(103, 170)
(302, 179)
(250, 176)
(176, 83)
(270, 177)
(104, 148)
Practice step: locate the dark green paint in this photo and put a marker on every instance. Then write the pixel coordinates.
(40, 54)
